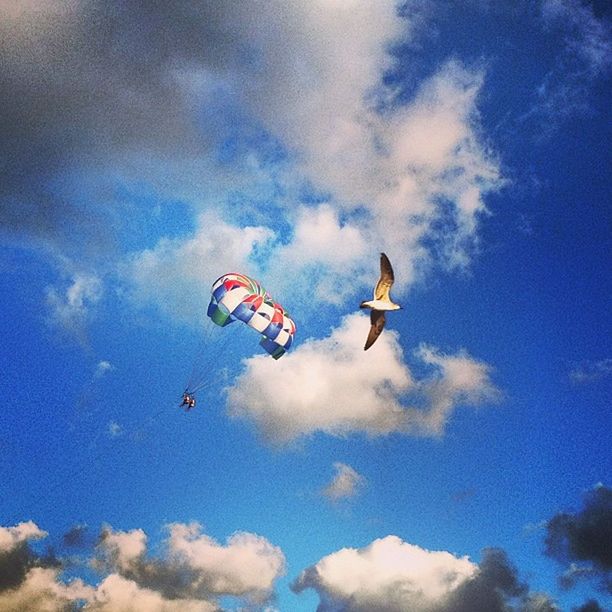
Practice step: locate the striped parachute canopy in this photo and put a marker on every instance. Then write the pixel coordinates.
(239, 297)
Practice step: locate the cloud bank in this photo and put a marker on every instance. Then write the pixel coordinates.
(190, 572)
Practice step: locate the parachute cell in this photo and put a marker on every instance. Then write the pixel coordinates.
(237, 297)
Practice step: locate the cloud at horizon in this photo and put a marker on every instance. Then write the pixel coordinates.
(191, 572)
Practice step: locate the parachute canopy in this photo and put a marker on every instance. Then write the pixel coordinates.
(239, 297)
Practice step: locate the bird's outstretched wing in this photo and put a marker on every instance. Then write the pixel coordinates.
(383, 286)
(377, 319)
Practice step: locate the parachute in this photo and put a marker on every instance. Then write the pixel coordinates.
(237, 297)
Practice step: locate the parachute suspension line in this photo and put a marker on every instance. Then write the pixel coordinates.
(241, 303)
(208, 375)
(212, 348)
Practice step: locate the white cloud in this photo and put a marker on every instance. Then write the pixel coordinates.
(332, 385)
(191, 572)
(388, 574)
(460, 380)
(114, 429)
(410, 168)
(247, 565)
(121, 549)
(416, 173)
(405, 165)
(319, 66)
(26, 585)
(12, 537)
(587, 36)
(585, 54)
(346, 483)
(310, 74)
(176, 275)
(437, 169)
(325, 258)
(71, 309)
(42, 591)
(118, 594)
(194, 565)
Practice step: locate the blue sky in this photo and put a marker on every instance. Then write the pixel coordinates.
(462, 462)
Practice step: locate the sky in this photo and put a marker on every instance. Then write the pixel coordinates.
(463, 462)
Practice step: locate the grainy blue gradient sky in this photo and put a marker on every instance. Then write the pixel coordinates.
(461, 463)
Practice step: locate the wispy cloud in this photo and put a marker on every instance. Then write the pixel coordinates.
(102, 368)
(345, 484)
(585, 57)
(114, 429)
(71, 308)
(590, 371)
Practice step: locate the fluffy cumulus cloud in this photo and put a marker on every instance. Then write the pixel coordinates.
(118, 594)
(332, 385)
(42, 590)
(16, 556)
(247, 565)
(388, 574)
(195, 566)
(13, 537)
(392, 575)
(582, 541)
(407, 165)
(29, 581)
(346, 483)
(190, 574)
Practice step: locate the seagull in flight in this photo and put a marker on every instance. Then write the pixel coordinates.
(381, 301)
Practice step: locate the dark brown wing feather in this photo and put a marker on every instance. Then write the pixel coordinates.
(383, 286)
(377, 319)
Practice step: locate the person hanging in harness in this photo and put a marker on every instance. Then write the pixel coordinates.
(189, 401)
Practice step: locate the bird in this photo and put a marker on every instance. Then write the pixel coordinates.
(381, 301)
